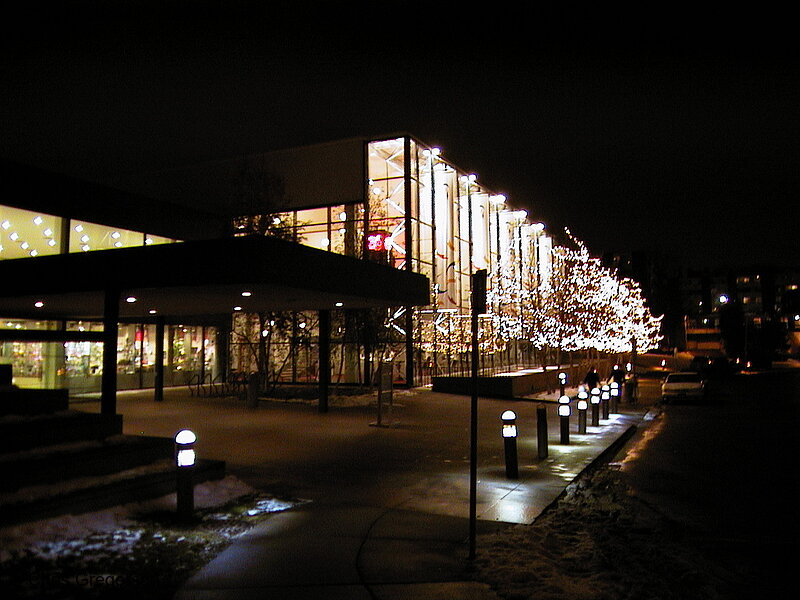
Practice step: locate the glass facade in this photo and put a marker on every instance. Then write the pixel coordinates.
(421, 213)
(78, 366)
(416, 212)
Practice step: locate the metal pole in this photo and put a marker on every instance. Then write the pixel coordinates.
(478, 307)
(473, 449)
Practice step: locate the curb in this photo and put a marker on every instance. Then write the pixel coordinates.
(601, 458)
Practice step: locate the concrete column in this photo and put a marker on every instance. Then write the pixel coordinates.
(159, 374)
(108, 388)
(324, 373)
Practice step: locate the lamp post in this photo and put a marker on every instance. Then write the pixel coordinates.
(184, 464)
(564, 412)
(509, 419)
(605, 396)
(595, 402)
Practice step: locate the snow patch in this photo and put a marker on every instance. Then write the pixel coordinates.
(56, 534)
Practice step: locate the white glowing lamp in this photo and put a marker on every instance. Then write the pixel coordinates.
(509, 419)
(595, 396)
(184, 448)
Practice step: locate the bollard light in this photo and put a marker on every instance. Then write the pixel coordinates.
(184, 448)
(562, 378)
(595, 402)
(583, 406)
(605, 396)
(185, 460)
(509, 419)
(564, 412)
(595, 396)
(614, 396)
(541, 431)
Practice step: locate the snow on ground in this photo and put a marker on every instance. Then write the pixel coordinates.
(598, 542)
(30, 536)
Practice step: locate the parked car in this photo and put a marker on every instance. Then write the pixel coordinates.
(683, 386)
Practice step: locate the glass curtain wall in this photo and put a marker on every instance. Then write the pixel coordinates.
(78, 365)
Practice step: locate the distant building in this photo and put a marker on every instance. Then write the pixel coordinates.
(750, 312)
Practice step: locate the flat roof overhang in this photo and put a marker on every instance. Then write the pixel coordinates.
(202, 279)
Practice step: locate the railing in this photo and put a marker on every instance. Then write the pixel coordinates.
(218, 387)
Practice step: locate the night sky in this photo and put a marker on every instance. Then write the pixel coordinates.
(674, 131)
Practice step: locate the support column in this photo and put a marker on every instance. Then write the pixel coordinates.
(108, 395)
(324, 372)
(409, 316)
(158, 384)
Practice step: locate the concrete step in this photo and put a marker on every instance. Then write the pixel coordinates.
(53, 463)
(22, 432)
(15, 401)
(87, 494)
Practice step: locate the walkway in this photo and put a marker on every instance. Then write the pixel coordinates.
(388, 507)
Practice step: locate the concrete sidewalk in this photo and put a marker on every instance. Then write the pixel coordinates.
(387, 516)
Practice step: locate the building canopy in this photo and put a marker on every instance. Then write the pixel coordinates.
(202, 278)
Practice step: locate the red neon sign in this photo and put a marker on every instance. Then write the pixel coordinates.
(377, 241)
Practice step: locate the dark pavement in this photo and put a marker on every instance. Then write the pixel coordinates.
(726, 474)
